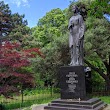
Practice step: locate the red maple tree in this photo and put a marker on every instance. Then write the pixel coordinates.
(12, 61)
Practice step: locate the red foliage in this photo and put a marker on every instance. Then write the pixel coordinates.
(11, 62)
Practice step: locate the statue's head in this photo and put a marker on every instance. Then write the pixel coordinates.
(75, 9)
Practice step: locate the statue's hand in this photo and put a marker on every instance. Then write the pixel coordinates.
(77, 45)
(81, 37)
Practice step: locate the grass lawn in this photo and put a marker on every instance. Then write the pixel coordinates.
(29, 99)
(106, 99)
(37, 98)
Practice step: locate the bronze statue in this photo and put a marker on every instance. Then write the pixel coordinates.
(76, 38)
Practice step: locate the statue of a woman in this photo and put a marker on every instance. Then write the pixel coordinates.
(76, 38)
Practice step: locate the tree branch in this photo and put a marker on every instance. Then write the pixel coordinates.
(97, 70)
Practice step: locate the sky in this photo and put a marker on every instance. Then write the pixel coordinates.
(35, 9)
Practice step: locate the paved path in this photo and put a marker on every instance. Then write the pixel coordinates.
(41, 107)
(107, 108)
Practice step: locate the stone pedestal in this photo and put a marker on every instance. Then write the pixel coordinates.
(72, 82)
(73, 92)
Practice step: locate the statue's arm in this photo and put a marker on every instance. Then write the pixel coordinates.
(82, 27)
(70, 26)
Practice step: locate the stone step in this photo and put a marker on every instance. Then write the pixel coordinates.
(62, 108)
(69, 108)
(76, 105)
(91, 104)
(86, 102)
(101, 107)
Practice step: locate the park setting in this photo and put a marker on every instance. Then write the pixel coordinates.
(55, 55)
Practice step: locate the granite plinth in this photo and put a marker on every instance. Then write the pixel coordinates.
(72, 82)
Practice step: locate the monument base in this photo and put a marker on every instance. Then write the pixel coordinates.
(73, 91)
(73, 104)
(72, 82)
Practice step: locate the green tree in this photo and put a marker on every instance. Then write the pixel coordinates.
(13, 26)
(19, 31)
(98, 7)
(97, 38)
(56, 55)
(5, 19)
(51, 34)
(49, 26)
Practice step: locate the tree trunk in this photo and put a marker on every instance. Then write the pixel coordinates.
(107, 65)
(108, 85)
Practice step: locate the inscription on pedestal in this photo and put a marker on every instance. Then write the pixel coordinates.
(72, 82)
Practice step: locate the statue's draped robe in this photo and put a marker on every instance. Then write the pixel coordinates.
(76, 38)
